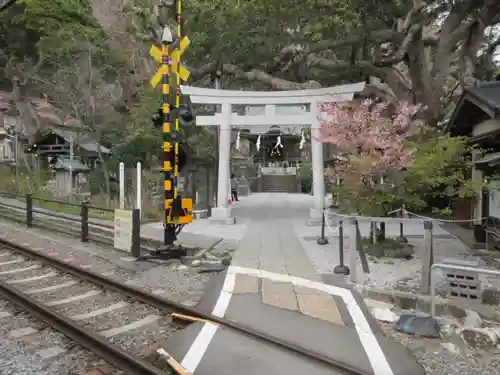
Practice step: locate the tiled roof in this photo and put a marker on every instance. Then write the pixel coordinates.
(82, 140)
(64, 162)
(487, 92)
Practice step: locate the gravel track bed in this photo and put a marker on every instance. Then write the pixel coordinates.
(22, 355)
(21, 320)
(177, 285)
(16, 266)
(77, 361)
(22, 264)
(50, 281)
(84, 306)
(99, 268)
(120, 317)
(6, 305)
(24, 275)
(9, 257)
(135, 341)
(72, 291)
(16, 360)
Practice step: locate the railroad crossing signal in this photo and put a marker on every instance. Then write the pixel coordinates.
(174, 65)
(178, 210)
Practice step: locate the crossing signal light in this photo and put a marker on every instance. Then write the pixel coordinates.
(186, 116)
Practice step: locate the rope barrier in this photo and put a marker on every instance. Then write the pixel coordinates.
(334, 229)
(375, 218)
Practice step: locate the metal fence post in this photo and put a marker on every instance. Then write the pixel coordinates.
(341, 268)
(322, 240)
(84, 217)
(427, 258)
(136, 233)
(29, 210)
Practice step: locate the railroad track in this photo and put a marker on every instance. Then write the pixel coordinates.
(115, 321)
(30, 346)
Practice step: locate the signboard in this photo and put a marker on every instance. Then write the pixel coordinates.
(123, 230)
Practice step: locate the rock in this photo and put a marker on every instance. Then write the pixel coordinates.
(207, 261)
(210, 257)
(195, 263)
(472, 320)
(450, 347)
(417, 323)
(182, 267)
(210, 267)
(449, 326)
(479, 337)
(384, 315)
(190, 302)
(372, 303)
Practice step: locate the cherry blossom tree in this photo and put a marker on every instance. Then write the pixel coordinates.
(386, 158)
(371, 145)
(372, 142)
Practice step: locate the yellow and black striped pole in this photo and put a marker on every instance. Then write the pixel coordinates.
(177, 100)
(171, 129)
(167, 137)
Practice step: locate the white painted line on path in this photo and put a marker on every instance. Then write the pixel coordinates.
(200, 345)
(372, 348)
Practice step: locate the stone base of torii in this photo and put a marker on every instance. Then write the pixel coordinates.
(269, 100)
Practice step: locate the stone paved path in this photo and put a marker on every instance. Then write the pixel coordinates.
(272, 287)
(270, 244)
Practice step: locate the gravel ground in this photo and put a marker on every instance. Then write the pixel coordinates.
(389, 274)
(437, 359)
(447, 363)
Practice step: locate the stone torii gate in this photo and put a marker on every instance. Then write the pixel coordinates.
(225, 119)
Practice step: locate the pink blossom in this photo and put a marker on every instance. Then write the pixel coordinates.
(373, 142)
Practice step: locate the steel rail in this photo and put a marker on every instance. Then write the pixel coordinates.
(126, 362)
(172, 306)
